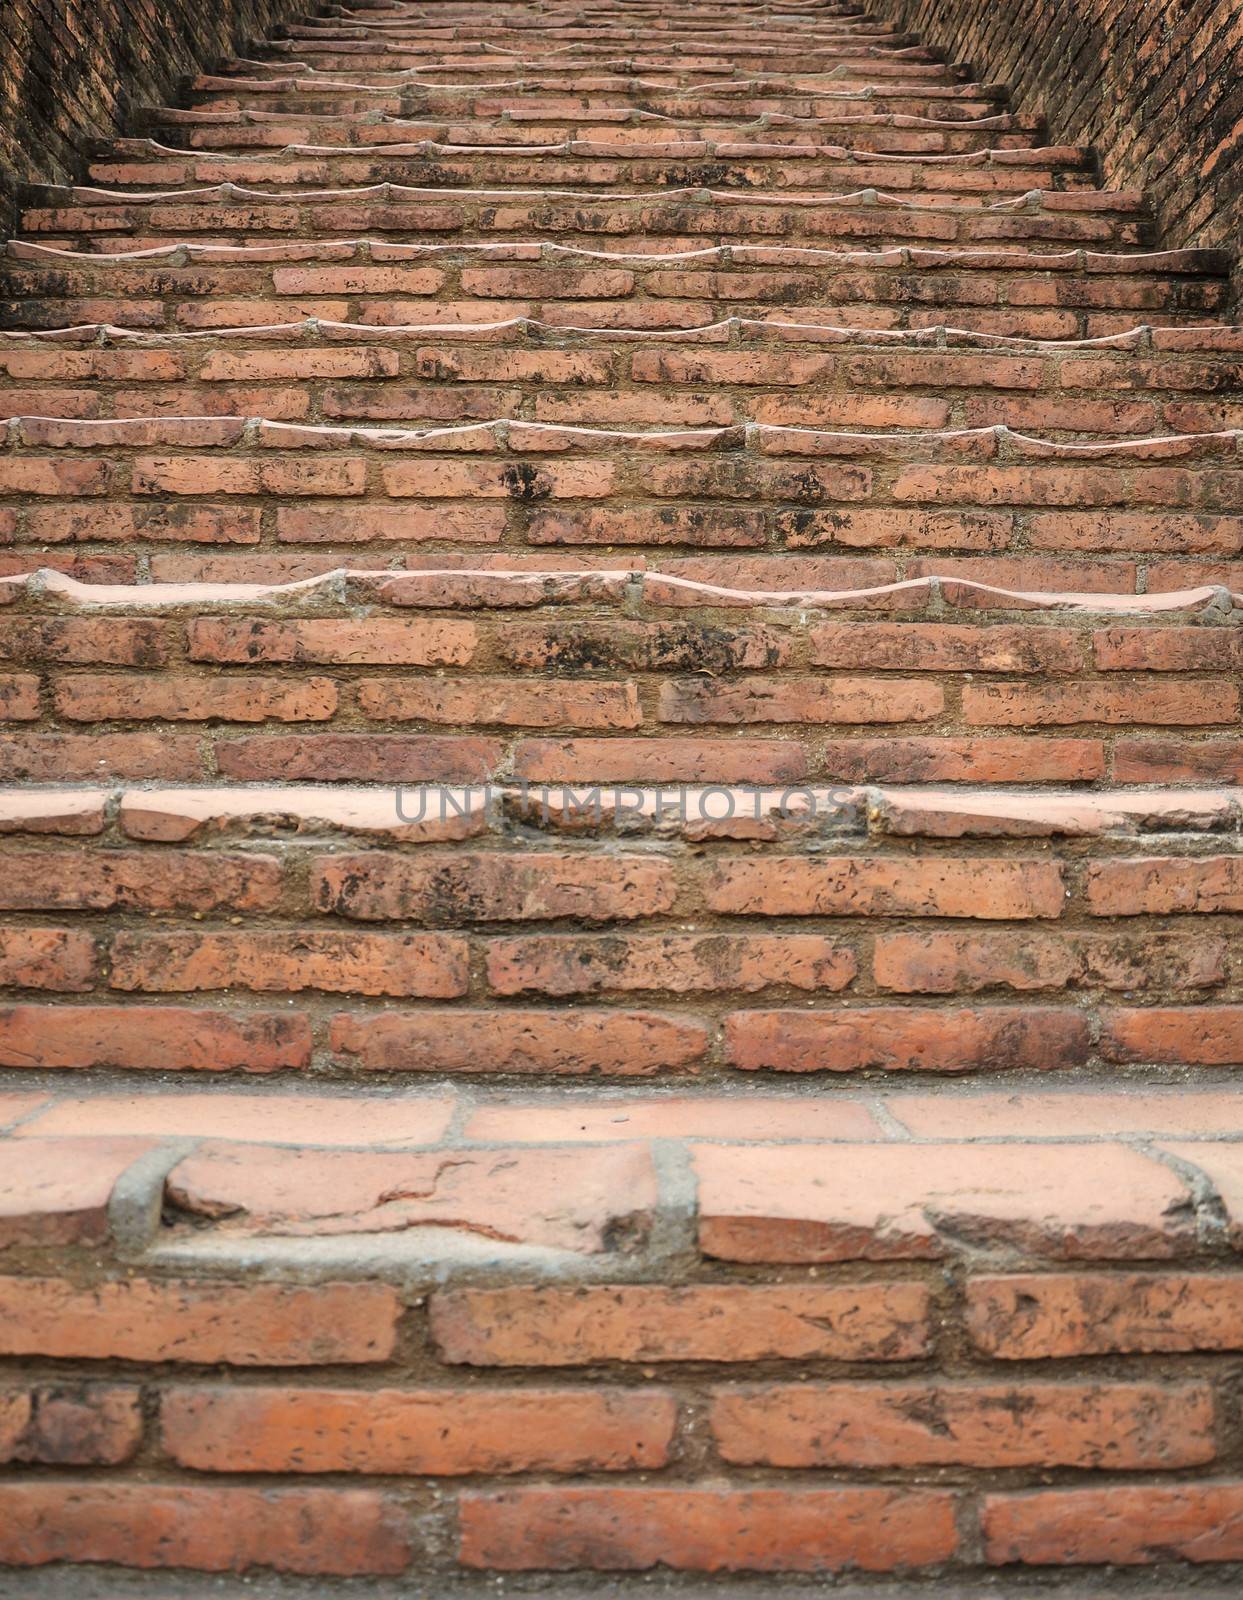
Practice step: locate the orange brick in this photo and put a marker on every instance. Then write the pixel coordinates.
(1110, 1426)
(428, 1431)
(326, 1531)
(291, 960)
(676, 963)
(152, 1038)
(256, 1324)
(552, 1327)
(709, 1529)
(907, 1040)
(577, 1042)
(490, 888)
(1123, 1525)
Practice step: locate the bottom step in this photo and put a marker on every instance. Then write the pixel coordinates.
(437, 1338)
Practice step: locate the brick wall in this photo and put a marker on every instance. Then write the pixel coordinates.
(1158, 89)
(72, 70)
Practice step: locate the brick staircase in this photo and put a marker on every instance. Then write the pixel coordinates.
(620, 655)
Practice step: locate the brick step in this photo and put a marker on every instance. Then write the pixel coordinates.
(521, 123)
(457, 1280)
(1153, 381)
(614, 677)
(1052, 219)
(1145, 383)
(1065, 294)
(377, 63)
(943, 106)
(610, 160)
(516, 483)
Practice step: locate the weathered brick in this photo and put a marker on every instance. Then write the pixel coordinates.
(152, 1038)
(934, 962)
(70, 1425)
(907, 1039)
(491, 888)
(291, 960)
(102, 697)
(573, 1042)
(1160, 885)
(858, 886)
(1204, 1036)
(57, 959)
(709, 1529)
(1114, 1426)
(1122, 1525)
(800, 700)
(255, 1324)
(379, 641)
(1024, 1316)
(326, 1531)
(428, 1431)
(175, 880)
(552, 1327)
(675, 963)
(513, 703)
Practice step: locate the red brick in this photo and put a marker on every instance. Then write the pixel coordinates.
(1008, 705)
(801, 700)
(836, 886)
(1122, 1525)
(786, 1203)
(907, 1039)
(166, 523)
(709, 1529)
(378, 641)
(661, 760)
(70, 1425)
(675, 963)
(1178, 761)
(933, 962)
(230, 366)
(47, 958)
(58, 1192)
(1160, 885)
(359, 524)
(256, 1324)
(19, 697)
(142, 880)
(1194, 1036)
(574, 1042)
(642, 646)
(328, 1531)
(947, 647)
(523, 481)
(1024, 1317)
(90, 758)
(114, 641)
(49, 475)
(1109, 1426)
(998, 759)
(586, 1199)
(292, 960)
(517, 887)
(718, 528)
(359, 758)
(152, 1038)
(1167, 649)
(105, 697)
(512, 703)
(552, 1327)
(209, 475)
(426, 1431)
